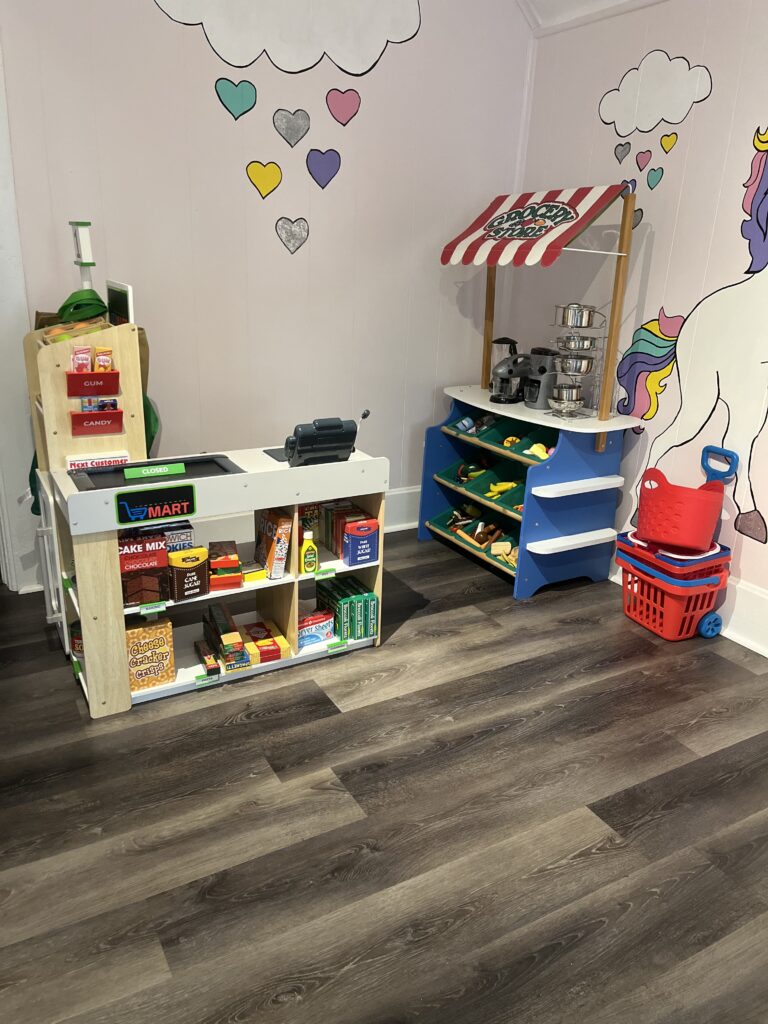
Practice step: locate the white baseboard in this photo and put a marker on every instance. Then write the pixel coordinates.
(745, 612)
(402, 509)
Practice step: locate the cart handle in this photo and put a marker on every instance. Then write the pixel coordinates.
(712, 472)
(708, 581)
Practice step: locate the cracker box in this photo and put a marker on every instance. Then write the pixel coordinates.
(150, 654)
(273, 535)
(361, 542)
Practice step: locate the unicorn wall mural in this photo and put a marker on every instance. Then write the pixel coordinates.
(719, 353)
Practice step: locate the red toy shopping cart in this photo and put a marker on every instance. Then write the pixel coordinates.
(672, 597)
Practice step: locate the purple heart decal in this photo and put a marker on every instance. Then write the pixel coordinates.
(323, 166)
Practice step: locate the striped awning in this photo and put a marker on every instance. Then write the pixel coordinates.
(530, 228)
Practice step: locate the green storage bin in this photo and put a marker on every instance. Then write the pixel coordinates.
(513, 536)
(503, 471)
(512, 498)
(465, 433)
(537, 435)
(449, 474)
(504, 427)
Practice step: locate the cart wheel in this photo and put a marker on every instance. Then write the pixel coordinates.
(710, 625)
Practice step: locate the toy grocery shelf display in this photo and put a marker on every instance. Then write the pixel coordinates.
(124, 576)
(525, 478)
(548, 497)
(151, 595)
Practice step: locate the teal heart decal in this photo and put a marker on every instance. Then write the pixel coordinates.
(654, 176)
(238, 99)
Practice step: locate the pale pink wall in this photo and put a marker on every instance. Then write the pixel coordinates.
(113, 118)
(689, 243)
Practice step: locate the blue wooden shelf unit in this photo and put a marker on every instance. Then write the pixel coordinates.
(566, 529)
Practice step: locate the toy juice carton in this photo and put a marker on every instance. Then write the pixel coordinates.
(273, 536)
(361, 542)
(150, 654)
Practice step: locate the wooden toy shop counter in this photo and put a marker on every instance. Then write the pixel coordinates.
(233, 483)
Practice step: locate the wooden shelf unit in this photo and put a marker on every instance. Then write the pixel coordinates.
(89, 528)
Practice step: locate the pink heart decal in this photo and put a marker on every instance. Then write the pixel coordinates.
(344, 105)
(643, 159)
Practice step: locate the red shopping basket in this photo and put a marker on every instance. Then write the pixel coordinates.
(672, 608)
(681, 567)
(684, 517)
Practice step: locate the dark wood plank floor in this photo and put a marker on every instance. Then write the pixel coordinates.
(509, 813)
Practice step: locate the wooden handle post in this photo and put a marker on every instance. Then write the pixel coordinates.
(490, 306)
(617, 309)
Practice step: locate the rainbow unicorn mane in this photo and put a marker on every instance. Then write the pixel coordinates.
(755, 205)
(646, 365)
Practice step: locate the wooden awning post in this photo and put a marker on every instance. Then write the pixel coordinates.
(490, 306)
(617, 309)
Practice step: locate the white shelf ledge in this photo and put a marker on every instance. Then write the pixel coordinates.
(189, 670)
(566, 487)
(479, 398)
(571, 542)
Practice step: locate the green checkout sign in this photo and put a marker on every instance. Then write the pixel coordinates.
(155, 470)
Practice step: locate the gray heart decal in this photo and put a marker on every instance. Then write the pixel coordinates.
(292, 233)
(291, 126)
(621, 152)
(637, 216)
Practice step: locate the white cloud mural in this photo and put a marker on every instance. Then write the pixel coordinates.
(296, 34)
(661, 88)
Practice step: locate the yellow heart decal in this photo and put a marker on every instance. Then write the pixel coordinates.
(668, 141)
(265, 177)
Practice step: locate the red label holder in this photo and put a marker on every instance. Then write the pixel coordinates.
(110, 421)
(84, 385)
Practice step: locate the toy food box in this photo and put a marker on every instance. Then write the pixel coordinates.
(273, 535)
(361, 542)
(150, 654)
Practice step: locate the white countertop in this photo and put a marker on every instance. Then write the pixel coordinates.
(264, 483)
(479, 398)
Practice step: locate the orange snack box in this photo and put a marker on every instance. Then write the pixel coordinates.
(150, 654)
(273, 535)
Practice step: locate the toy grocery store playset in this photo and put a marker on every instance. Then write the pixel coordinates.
(524, 471)
(126, 539)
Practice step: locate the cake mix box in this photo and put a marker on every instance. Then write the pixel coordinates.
(142, 550)
(150, 654)
(273, 536)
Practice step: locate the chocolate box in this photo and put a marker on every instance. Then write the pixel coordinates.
(188, 571)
